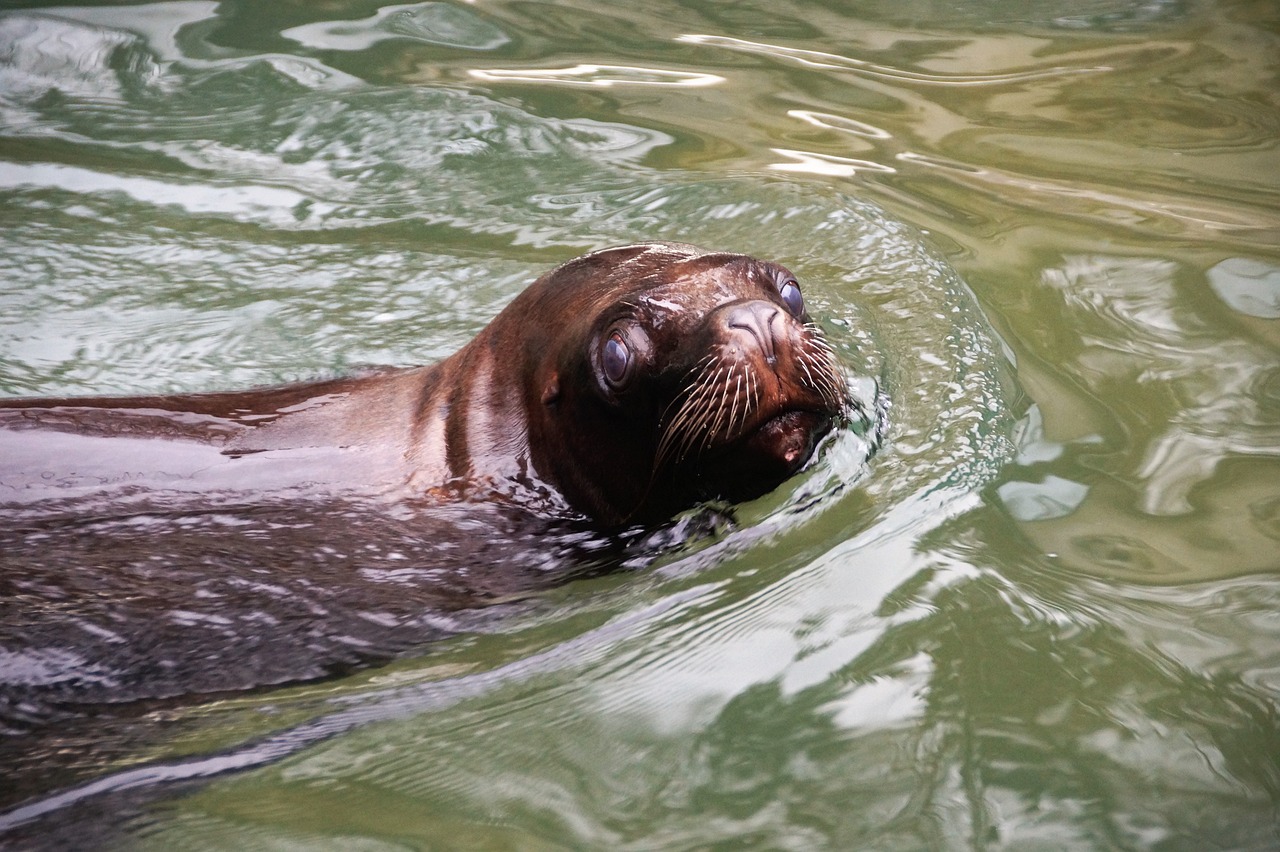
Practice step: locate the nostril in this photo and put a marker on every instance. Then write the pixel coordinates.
(752, 321)
(756, 319)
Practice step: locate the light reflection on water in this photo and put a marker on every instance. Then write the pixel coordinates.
(831, 61)
(601, 76)
(1071, 640)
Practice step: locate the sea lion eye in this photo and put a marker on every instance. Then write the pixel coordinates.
(791, 297)
(615, 359)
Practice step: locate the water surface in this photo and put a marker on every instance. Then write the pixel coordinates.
(1045, 614)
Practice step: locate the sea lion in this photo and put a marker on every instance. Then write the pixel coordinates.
(157, 549)
(622, 386)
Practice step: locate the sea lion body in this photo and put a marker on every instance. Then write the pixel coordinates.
(621, 386)
(154, 550)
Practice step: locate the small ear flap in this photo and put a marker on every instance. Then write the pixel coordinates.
(551, 393)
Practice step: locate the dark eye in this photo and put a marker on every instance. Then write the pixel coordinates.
(791, 297)
(615, 359)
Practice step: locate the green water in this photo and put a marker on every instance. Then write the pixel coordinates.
(1046, 615)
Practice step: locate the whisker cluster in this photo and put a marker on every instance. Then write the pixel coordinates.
(704, 408)
(721, 398)
(822, 371)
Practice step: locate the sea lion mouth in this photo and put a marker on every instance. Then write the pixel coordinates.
(781, 443)
(731, 406)
(758, 460)
(790, 436)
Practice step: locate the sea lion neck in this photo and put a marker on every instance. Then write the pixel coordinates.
(470, 429)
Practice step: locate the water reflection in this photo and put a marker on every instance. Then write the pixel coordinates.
(839, 122)
(1095, 15)
(984, 702)
(831, 61)
(828, 165)
(1082, 653)
(1247, 285)
(1024, 674)
(272, 204)
(433, 23)
(43, 54)
(1177, 501)
(1143, 211)
(381, 189)
(603, 76)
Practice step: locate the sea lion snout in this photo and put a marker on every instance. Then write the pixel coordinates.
(755, 322)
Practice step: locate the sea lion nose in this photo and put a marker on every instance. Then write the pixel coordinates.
(755, 318)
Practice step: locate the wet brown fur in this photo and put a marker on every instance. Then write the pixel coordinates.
(521, 413)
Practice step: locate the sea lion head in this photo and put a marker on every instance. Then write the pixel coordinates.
(659, 375)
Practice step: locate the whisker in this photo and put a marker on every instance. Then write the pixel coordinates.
(710, 434)
(737, 393)
(803, 361)
(684, 403)
(701, 405)
(817, 337)
(719, 399)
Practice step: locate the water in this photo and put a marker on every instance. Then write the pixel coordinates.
(1044, 615)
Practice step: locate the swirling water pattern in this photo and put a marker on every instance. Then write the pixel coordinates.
(1010, 626)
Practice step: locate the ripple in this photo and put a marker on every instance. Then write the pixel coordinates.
(876, 655)
(40, 54)
(432, 23)
(412, 216)
(244, 202)
(1249, 286)
(827, 165)
(832, 61)
(1135, 208)
(599, 76)
(842, 123)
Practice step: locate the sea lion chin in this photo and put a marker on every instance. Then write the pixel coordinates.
(624, 386)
